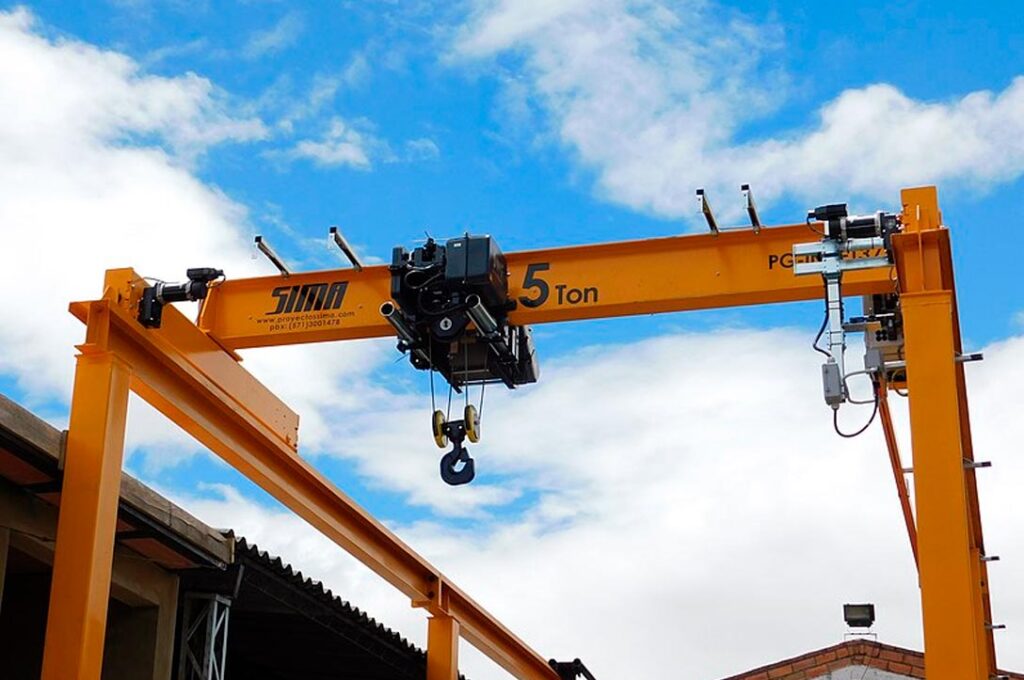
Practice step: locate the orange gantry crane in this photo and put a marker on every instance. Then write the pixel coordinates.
(463, 309)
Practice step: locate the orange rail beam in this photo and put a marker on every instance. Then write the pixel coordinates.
(649, 276)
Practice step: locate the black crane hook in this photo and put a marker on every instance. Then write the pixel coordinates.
(456, 432)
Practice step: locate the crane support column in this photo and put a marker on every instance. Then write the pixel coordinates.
(76, 623)
(950, 590)
(442, 648)
(954, 593)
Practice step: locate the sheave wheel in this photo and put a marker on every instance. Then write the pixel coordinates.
(437, 422)
(472, 423)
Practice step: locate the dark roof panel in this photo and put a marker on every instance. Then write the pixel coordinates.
(285, 571)
(287, 625)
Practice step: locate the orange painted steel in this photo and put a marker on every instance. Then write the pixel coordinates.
(77, 619)
(949, 579)
(182, 373)
(673, 274)
(889, 430)
(191, 374)
(442, 648)
(954, 584)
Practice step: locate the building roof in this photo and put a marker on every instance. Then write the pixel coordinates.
(283, 625)
(250, 554)
(857, 652)
(277, 607)
(31, 457)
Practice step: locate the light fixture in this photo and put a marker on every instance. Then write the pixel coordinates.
(859, 615)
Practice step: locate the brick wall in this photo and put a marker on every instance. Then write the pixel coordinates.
(850, 653)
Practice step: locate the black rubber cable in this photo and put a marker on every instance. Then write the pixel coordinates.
(851, 435)
(821, 332)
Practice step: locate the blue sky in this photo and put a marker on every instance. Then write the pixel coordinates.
(509, 177)
(540, 123)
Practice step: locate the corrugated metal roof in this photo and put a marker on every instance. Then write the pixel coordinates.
(281, 612)
(312, 586)
(285, 624)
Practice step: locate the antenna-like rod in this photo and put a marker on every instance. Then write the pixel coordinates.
(755, 221)
(272, 256)
(340, 241)
(705, 208)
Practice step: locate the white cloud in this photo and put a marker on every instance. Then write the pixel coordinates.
(357, 71)
(101, 98)
(294, 108)
(653, 97)
(355, 144)
(975, 140)
(421, 149)
(336, 381)
(345, 143)
(695, 515)
(175, 51)
(280, 36)
(322, 91)
(94, 174)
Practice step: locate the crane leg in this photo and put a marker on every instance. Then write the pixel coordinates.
(952, 595)
(442, 648)
(76, 623)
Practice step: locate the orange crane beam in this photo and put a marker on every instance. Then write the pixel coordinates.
(191, 374)
(673, 274)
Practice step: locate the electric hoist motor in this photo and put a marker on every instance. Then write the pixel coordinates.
(450, 311)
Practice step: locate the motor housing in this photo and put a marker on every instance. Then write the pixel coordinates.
(452, 313)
